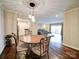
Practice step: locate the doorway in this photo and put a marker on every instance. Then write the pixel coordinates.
(22, 25)
(56, 30)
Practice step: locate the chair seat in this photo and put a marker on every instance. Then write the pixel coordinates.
(21, 50)
(36, 50)
(21, 46)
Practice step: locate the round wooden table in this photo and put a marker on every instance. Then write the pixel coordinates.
(30, 40)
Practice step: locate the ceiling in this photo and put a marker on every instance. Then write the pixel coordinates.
(44, 11)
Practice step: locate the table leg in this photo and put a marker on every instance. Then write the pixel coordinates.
(28, 52)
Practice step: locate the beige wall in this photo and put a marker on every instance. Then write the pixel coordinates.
(71, 28)
(10, 22)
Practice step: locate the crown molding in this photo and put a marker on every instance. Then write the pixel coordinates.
(72, 10)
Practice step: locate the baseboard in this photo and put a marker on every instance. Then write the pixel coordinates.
(71, 47)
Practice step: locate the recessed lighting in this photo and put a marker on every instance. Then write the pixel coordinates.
(57, 15)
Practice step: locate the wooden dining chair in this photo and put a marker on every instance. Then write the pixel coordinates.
(20, 48)
(42, 48)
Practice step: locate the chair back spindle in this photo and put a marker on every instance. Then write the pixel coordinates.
(44, 45)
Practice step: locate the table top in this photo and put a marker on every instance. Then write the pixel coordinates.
(31, 39)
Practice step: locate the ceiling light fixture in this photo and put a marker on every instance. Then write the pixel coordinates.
(33, 19)
(31, 16)
(57, 15)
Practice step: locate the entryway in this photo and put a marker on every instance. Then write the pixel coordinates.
(56, 30)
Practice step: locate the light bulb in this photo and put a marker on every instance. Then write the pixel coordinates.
(30, 16)
(19, 19)
(33, 19)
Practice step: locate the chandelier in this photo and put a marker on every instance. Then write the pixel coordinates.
(31, 16)
(31, 4)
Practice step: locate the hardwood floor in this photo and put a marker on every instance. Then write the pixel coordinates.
(8, 53)
(55, 52)
(64, 52)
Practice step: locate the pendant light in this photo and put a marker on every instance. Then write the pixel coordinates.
(31, 16)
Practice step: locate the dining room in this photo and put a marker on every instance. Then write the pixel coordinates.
(31, 44)
(39, 29)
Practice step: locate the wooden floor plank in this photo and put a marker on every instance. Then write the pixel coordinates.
(54, 53)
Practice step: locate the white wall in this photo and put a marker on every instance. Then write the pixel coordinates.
(44, 26)
(2, 45)
(71, 28)
(22, 25)
(34, 28)
(10, 23)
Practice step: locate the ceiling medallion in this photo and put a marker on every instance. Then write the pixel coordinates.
(31, 3)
